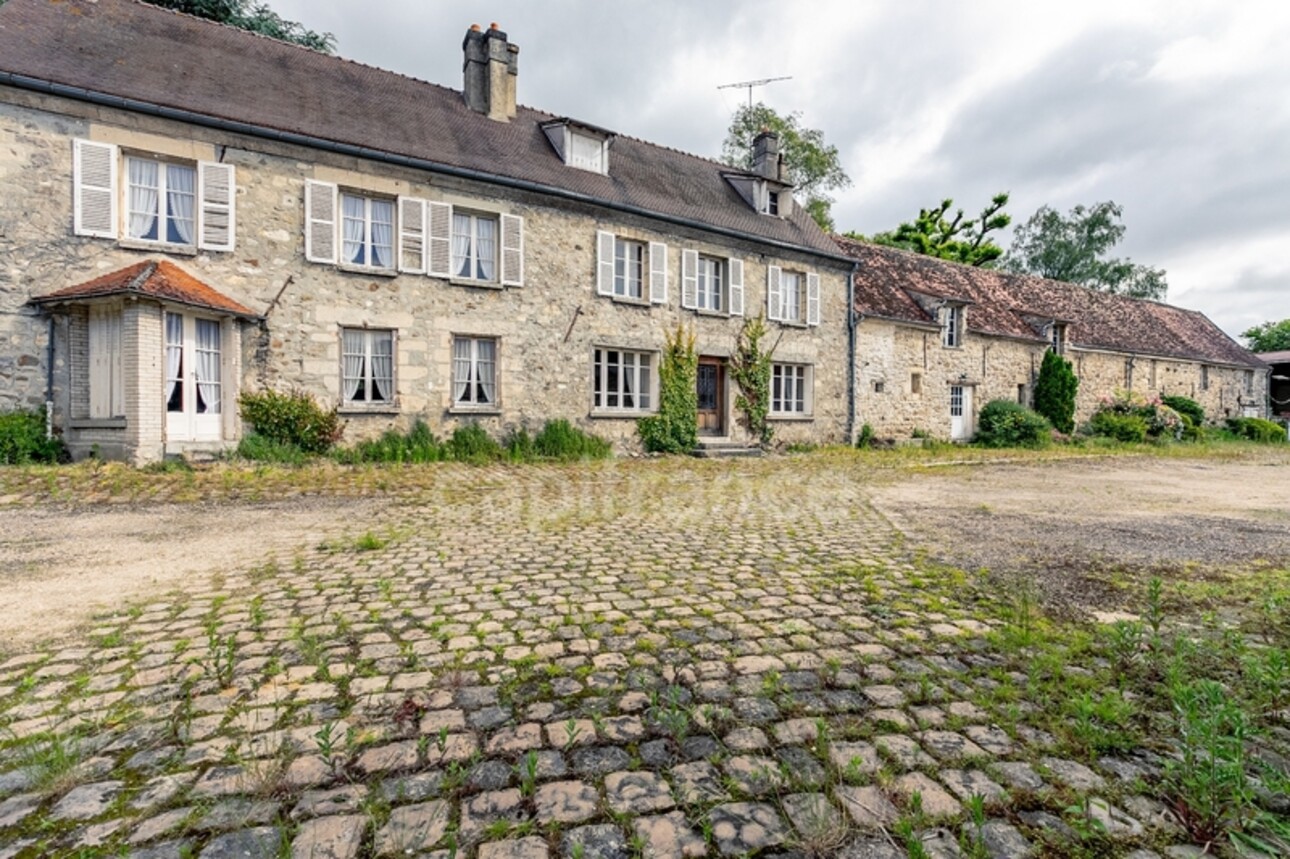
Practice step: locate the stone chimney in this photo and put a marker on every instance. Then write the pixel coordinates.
(766, 158)
(490, 68)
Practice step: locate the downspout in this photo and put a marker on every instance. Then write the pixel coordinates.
(49, 382)
(853, 322)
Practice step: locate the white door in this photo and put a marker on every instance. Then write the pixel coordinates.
(194, 390)
(960, 412)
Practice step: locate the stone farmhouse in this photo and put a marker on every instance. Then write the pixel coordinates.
(192, 211)
(937, 340)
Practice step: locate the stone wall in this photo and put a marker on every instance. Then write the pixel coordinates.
(546, 329)
(1221, 391)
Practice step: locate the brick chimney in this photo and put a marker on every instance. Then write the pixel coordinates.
(490, 68)
(766, 157)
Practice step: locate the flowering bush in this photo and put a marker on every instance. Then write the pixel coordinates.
(1122, 414)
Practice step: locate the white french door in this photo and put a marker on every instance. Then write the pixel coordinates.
(960, 412)
(194, 389)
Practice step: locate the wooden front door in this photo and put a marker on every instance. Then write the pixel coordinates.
(711, 388)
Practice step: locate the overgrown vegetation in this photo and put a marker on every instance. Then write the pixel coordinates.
(750, 367)
(1130, 417)
(1257, 429)
(1003, 423)
(675, 427)
(1055, 391)
(1187, 407)
(22, 439)
(293, 418)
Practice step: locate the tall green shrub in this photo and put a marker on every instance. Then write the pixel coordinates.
(295, 418)
(1055, 391)
(1257, 429)
(750, 367)
(1187, 407)
(675, 428)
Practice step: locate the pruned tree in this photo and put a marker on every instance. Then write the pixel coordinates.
(965, 240)
(1073, 248)
(256, 17)
(1268, 337)
(814, 167)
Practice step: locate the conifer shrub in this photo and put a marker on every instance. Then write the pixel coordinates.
(1055, 391)
(293, 418)
(1003, 423)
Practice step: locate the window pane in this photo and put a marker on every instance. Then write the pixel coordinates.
(485, 247)
(354, 224)
(382, 253)
(143, 198)
(181, 185)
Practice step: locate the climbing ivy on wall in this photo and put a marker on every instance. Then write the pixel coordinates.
(750, 367)
(675, 428)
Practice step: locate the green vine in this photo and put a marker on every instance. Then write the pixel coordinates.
(750, 367)
(675, 428)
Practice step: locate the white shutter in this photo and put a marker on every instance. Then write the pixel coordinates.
(106, 390)
(320, 221)
(512, 250)
(689, 279)
(812, 299)
(774, 293)
(439, 243)
(94, 194)
(604, 263)
(736, 269)
(412, 235)
(216, 219)
(657, 273)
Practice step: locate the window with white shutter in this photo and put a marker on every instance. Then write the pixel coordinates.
(94, 183)
(412, 235)
(512, 250)
(320, 221)
(812, 298)
(605, 244)
(216, 208)
(439, 259)
(774, 293)
(690, 279)
(107, 395)
(657, 273)
(736, 269)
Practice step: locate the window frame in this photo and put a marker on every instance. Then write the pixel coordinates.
(711, 267)
(801, 377)
(472, 404)
(161, 214)
(368, 381)
(621, 246)
(367, 243)
(952, 328)
(644, 375)
(474, 217)
(1057, 338)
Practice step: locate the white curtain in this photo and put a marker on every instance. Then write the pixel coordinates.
(180, 193)
(352, 346)
(208, 335)
(461, 256)
(628, 377)
(143, 199)
(354, 218)
(382, 233)
(174, 352)
(461, 370)
(486, 246)
(486, 372)
(383, 365)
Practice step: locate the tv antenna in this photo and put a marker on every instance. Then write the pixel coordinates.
(751, 84)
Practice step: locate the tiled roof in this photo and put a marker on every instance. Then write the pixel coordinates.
(1014, 305)
(127, 49)
(1282, 357)
(161, 280)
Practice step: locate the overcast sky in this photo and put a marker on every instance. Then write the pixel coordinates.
(1178, 111)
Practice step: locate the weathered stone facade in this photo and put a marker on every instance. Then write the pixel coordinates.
(546, 330)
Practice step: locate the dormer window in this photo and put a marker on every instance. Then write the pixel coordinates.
(582, 146)
(1057, 337)
(772, 203)
(952, 326)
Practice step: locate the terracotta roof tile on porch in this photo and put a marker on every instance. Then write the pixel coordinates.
(157, 279)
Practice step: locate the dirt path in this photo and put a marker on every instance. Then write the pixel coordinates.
(62, 566)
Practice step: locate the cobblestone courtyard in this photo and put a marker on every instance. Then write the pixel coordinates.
(655, 659)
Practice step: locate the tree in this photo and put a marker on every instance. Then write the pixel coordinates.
(1269, 337)
(965, 241)
(256, 17)
(1073, 249)
(814, 167)
(1055, 391)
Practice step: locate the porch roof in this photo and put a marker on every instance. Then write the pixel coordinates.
(158, 279)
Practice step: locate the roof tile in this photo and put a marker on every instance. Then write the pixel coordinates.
(162, 280)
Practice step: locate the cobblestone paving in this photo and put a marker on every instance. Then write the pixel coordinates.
(632, 659)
